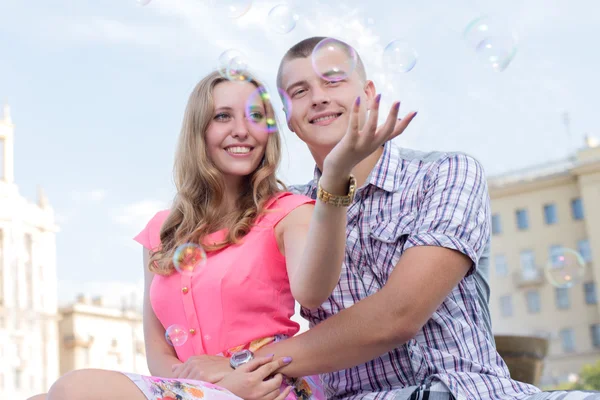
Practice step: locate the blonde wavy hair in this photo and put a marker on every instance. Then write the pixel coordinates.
(197, 207)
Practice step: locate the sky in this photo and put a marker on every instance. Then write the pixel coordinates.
(97, 91)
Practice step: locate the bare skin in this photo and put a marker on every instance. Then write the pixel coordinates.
(97, 384)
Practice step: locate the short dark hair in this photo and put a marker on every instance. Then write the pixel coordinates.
(304, 49)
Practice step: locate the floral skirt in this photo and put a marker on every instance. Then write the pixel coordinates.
(157, 388)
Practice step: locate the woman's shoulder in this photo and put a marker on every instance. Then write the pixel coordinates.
(284, 200)
(149, 237)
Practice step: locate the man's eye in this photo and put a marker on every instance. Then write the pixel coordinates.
(297, 92)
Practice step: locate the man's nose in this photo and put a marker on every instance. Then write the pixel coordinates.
(319, 97)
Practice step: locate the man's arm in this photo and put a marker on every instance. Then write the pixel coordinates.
(451, 232)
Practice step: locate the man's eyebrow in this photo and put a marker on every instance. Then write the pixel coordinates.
(299, 83)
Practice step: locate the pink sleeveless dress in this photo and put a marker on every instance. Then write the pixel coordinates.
(240, 298)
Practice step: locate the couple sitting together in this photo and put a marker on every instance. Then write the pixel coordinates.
(386, 250)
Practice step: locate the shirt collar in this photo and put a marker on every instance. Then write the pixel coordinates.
(386, 173)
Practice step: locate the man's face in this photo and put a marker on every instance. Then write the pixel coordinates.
(321, 107)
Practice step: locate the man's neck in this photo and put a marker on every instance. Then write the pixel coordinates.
(361, 171)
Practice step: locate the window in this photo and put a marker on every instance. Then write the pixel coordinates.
(577, 208)
(562, 298)
(1, 269)
(595, 333)
(506, 306)
(567, 338)
(18, 378)
(501, 266)
(496, 224)
(583, 247)
(550, 217)
(522, 219)
(2, 158)
(533, 301)
(590, 293)
(528, 268)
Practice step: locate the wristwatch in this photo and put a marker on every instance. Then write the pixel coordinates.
(337, 200)
(240, 358)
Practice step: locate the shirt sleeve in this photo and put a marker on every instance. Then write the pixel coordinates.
(149, 237)
(455, 209)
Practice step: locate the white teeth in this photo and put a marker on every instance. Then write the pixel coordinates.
(238, 150)
(325, 118)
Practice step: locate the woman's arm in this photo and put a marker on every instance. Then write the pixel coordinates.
(313, 241)
(159, 355)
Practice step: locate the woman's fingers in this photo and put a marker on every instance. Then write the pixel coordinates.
(254, 364)
(268, 369)
(272, 384)
(284, 393)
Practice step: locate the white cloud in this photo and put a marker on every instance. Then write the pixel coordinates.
(88, 196)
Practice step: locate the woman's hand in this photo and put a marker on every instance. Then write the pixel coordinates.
(255, 380)
(357, 144)
(205, 368)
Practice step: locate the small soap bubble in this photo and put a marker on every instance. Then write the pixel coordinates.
(188, 258)
(565, 268)
(176, 335)
(232, 8)
(333, 60)
(256, 111)
(493, 40)
(399, 57)
(282, 19)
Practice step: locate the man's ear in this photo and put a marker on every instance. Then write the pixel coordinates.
(287, 119)
(370, 90)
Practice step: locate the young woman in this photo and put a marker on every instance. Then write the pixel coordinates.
(224, 265)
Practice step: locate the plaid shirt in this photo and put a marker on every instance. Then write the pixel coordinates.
(420, 199)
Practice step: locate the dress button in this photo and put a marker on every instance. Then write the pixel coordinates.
(192, 331)
(184, 289)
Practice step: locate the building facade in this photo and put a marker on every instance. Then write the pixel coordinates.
(95, 336)
(28, 296)
(536, 213)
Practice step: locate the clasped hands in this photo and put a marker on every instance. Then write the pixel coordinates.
(257, 379)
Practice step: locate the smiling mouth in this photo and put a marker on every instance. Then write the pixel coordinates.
(238, 149)
(326, 118)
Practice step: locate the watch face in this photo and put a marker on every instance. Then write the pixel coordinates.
(241, 357)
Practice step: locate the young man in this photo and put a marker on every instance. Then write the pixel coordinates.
(409, 317)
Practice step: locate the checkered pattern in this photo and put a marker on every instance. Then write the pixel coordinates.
(414, 199)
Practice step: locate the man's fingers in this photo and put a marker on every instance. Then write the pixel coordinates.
(371, 125)
(255, 363)
(391, 120)
(354, 117)
(402, 124)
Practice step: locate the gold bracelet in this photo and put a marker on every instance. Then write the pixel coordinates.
(335, 199)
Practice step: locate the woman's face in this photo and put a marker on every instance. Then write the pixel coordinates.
(237, 135)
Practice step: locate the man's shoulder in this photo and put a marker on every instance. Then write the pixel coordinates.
(430, 157)
(306, 189)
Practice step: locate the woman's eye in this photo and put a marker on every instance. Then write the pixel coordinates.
(256, 116)
(221, 117)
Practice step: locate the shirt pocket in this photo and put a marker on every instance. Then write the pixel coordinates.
(385, 243)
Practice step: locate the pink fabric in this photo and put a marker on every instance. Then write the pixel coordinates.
(242, 293)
